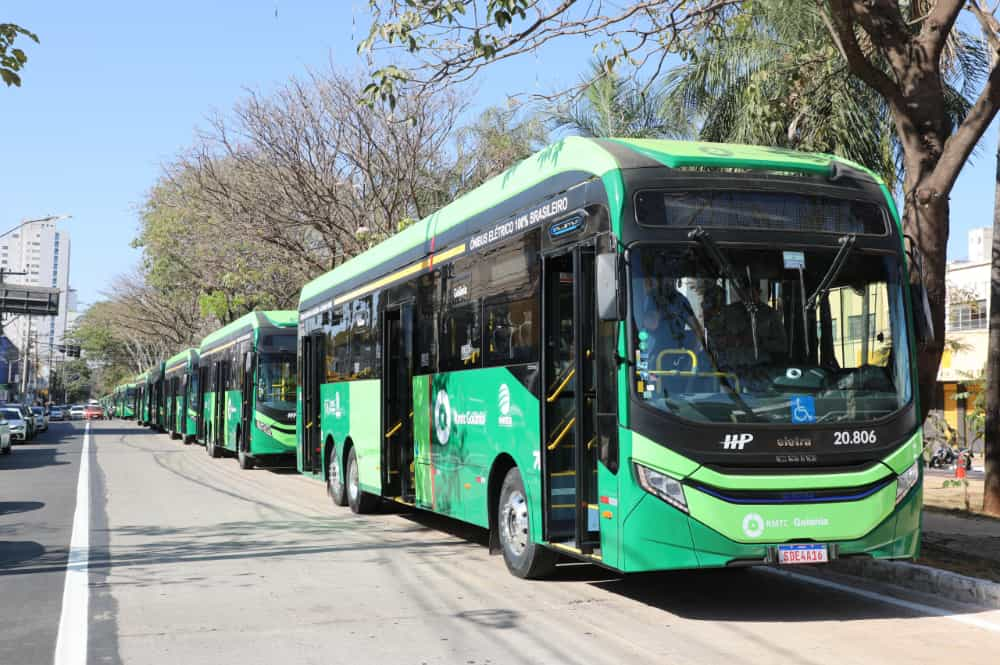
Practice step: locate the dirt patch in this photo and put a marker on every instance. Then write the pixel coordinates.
(941, 494)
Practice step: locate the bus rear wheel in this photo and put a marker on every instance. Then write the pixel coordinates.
(524, 557)
(211, 448)
(334, 480)
(360, 501)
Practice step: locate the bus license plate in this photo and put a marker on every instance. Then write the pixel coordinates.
(788, 554)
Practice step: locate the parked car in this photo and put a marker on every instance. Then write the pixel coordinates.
(76, 412)
(56, 413)
(93, 412)
(5, 445)
(41, 418)
(16, 424)
(29, 418)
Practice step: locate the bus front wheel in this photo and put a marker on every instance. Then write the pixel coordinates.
(334, 480)
(524, 557)
(360, 501)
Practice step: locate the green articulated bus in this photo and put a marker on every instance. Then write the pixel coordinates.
(180, 384)
(247, 375)
(142, 399)
(124, 401)
(645, 354)
(157, 402)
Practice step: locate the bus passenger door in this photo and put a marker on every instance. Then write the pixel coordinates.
(249, 397)
(313, 360)
(569, 450)
(397, 398)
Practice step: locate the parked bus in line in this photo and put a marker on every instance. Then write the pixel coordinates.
(157, 401)
(247, 376)
(646, 354)
(180, 382)
(142, 398)
(124, 401)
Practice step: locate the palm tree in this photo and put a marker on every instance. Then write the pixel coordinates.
(620, 106)
(772, 76)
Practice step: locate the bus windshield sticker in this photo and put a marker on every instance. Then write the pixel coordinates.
(522, 222)
(794, 260)
(803, 409)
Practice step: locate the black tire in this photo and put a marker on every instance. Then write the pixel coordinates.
(9, 449)
(335, 486)
(243, 455)
(361, 502)
(211, 448)
(524, 557)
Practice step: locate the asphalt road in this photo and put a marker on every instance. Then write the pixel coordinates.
(37, 499)
(194, 561)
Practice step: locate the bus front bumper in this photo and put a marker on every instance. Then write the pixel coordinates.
(657, 536)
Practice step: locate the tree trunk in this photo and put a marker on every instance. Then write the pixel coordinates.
(991, 430)
(926, 221)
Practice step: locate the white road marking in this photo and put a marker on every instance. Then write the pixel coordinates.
(899, 602)
(71, 643)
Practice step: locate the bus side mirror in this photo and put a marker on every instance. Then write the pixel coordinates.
(609, 302)
(922, 322)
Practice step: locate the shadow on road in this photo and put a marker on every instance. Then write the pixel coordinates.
(32, 456)
(15, 555)
(11, 507)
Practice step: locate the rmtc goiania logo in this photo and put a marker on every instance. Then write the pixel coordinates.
(442, 417)
(736, 441)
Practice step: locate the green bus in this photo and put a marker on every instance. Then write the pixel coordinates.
(124, 401)
(142, 398)
(180, 383)
(247, 379)
(155, 390)
(645, 354)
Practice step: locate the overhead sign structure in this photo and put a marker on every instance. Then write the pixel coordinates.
(27, 299)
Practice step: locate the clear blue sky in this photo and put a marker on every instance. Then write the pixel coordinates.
(116, 89)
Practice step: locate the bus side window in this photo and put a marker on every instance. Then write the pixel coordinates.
(338, 351)
(460, 337)
(511, 332)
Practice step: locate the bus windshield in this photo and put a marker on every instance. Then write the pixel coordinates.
(276, 381)
(769, 335)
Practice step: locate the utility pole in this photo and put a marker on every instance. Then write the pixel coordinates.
(27, 360)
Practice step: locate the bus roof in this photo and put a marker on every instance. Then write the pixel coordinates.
(248, 323)
(585, 157)
(182, 358)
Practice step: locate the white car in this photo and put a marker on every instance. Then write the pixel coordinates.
(5, 446)
(41, 418)
(17, 428)
(76, 412)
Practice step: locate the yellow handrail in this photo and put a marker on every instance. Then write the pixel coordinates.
(562, 434)
(562, 386)
(677, 352)
(395, 429)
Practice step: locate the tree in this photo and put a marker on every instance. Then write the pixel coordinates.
(619, 105)
(899, 50)
(12, 60)
(76, 380)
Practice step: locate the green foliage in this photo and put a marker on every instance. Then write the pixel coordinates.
(772, 75)
(12, 59)
(76, 380)
(619, 105)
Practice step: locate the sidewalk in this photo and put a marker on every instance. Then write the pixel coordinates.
(966, 544)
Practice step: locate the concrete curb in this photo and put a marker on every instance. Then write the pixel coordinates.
(925, 579)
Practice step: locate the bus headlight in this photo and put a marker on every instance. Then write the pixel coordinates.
(906, 480)
(264, 427)
(661, 486)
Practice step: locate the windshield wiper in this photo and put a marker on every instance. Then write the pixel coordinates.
(702, 237)
(839, 261)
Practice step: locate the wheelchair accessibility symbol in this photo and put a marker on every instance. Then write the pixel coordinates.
(803, 409)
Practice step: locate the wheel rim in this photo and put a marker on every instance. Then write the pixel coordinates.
(352, 479)
(514, 523)
(334, 476)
